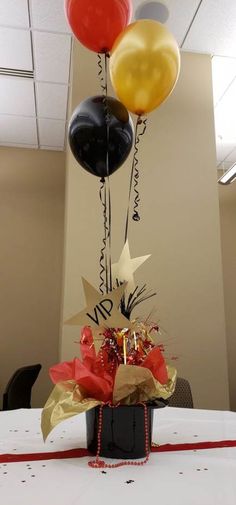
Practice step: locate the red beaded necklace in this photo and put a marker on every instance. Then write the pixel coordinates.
(99, 463)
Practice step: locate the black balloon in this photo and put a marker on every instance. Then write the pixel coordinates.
(101, 135)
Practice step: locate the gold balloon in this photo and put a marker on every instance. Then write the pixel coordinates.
(144, 65)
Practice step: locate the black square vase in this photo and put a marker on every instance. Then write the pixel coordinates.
(123, 430)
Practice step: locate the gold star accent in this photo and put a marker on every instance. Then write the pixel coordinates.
(101, 310)
(125, 268)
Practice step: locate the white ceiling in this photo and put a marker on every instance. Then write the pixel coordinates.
(209, 26)
(181, 13)
(15, 49)
(224, 89)
(34, 36)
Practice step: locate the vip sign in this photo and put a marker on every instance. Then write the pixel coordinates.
(102, 310)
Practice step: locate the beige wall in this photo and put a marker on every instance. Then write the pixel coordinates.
(227, 196)
(179, 226)
(32, 224)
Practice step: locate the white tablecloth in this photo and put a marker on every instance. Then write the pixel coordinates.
(203, 477)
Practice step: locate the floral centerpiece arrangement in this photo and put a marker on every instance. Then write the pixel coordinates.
(121, 375)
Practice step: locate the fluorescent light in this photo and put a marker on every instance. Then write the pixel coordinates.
(228, 176)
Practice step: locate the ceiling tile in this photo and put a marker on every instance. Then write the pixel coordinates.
(52, 57)
(17, 96)
(214, 29)
(51, 133)
(225, 125)
(14, 13)
(223, 149)
(180, 17)
(225, 115)
(231, 158)
(223, 72)
(15, 49)
(18, 130)
(223, 166)
(51, 100)
(49, 15)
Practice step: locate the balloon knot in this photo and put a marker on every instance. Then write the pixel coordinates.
(104, 50)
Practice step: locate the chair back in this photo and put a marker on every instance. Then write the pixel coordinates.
(17, 394)
(182, 396)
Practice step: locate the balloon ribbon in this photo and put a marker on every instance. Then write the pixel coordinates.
(107, 181)
(105, 193)
(102, 79)
(103, 257)
(134, 176)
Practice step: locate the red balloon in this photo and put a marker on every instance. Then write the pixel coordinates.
(97, 23)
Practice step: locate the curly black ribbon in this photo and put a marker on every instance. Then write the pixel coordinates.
(136, 216)
(134, 176)
(103, 259)
(101, 77)
(109, 237)
(105, 194)
(107, 118)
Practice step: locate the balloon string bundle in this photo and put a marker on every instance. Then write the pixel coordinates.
(134, 176)
(107, 181)
(105, 193)
(103, 258)
(109, 276)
